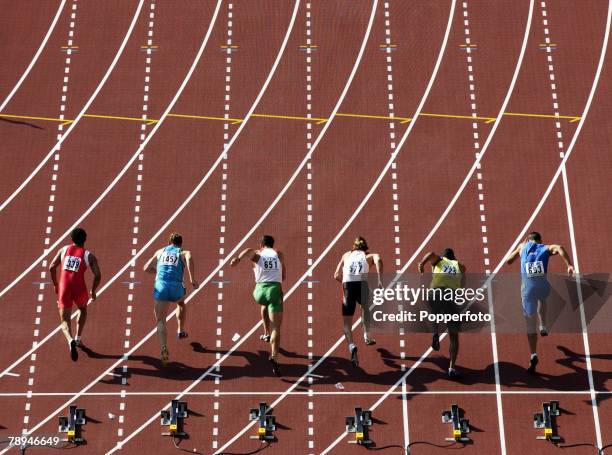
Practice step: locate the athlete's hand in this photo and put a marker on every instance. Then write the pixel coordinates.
(234, 262)
(420, 267)
(570, 270)
(195, 284)
(94, 296)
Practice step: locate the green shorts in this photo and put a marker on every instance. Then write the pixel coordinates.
(270, 295)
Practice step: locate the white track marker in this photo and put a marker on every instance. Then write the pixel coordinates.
(78, 118)
(35, 58)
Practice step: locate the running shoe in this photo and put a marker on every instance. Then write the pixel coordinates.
(74, 354)
(354, 358)
(369, 341)
(435, 342)
(452, 373)
(533, 362)
(543, 331)
(78, 342)
(275, 367)
(164, 356)
(264, 337)
(181, 335)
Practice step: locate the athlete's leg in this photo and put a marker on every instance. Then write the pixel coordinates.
(181, 315)
(65, 321)
(265, 318)
(348, 333)
(81, 320)
(161, 311)
(542, 313)
(453, 348)
(276, 320)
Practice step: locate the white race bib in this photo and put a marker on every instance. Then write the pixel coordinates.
(449, 269)
(535, 268)
(270, 263)
(168, 258)
(357, 267)
(72, 263)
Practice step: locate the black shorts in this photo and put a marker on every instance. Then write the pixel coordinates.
(441, 306)
(355, 292)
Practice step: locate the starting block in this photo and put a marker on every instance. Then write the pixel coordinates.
(461, 427)
(545, 420)
(72, 425)
(360, 425)
(174, 419)
(267, 422)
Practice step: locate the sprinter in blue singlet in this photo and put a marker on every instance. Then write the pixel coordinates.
(169, 264)
(535, 286)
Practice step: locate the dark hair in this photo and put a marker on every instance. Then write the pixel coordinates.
(360, 244)
(535, 236)
(78, 236)
(448, 253)
(175, 239)
(267, 240)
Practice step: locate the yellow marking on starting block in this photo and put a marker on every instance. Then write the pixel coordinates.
(71, 433)
(261, 431)
(456, 434)
(173, 427)
(359, 436)
(548, 432)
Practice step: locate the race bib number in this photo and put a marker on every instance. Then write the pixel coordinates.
(535, 268)
(169, 258)
(270, 264)
(356, 267)
(449, 269)
(72, 263)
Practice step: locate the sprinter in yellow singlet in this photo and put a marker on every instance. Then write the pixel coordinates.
(448, 273)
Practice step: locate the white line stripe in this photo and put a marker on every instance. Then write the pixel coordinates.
(78, 118)
(405, 414)
(35, 58)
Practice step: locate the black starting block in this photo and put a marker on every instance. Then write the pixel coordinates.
(461, 427)
(267, 422)
(360, 425)
(174, 419)
(72, 425)
(546, 420)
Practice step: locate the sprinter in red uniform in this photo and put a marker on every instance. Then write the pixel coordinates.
(71, 288)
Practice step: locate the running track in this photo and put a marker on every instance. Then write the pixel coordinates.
(350, 155)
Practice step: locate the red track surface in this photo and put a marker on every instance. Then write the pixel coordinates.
(437, 155)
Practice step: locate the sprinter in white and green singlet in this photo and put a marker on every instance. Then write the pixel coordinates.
(270, 272)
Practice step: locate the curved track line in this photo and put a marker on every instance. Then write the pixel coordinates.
(192, 194)
(110, 69)
(537, 210)
(121, 173)
(35, 58)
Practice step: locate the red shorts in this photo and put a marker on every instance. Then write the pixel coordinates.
(68, 296)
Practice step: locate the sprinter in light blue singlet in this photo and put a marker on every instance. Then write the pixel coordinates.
(169, 264)
(535, 286)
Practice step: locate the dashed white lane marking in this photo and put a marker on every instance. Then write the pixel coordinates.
(50, 210)
(131, 278)
(223, 219)
(570, 220)
(482, 212)
(395, 203)
(309, 225)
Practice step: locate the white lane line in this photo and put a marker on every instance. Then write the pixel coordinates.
(216, 414)
(356, 212)
(187, 77)
(310, 412)
(35, 58)
(570, 222)
(131, 277)
(263, 393)
(49, 219)
(395, 202)
(481, 200)
(553, 181)
(138, 152)
(61, 139)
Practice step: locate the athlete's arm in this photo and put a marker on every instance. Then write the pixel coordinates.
(281, 258)
(377, 261)
(558, 249)
(95, 269)
(338, 272)
(53, 268)
(515, 254)
(431, 257)
(462, 269)
(250, 252)
(188, 262)
(151, 265)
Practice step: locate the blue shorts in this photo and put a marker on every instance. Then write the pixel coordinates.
(531, 293)
(169, 292)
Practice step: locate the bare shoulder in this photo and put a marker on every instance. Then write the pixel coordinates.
(280, 255)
